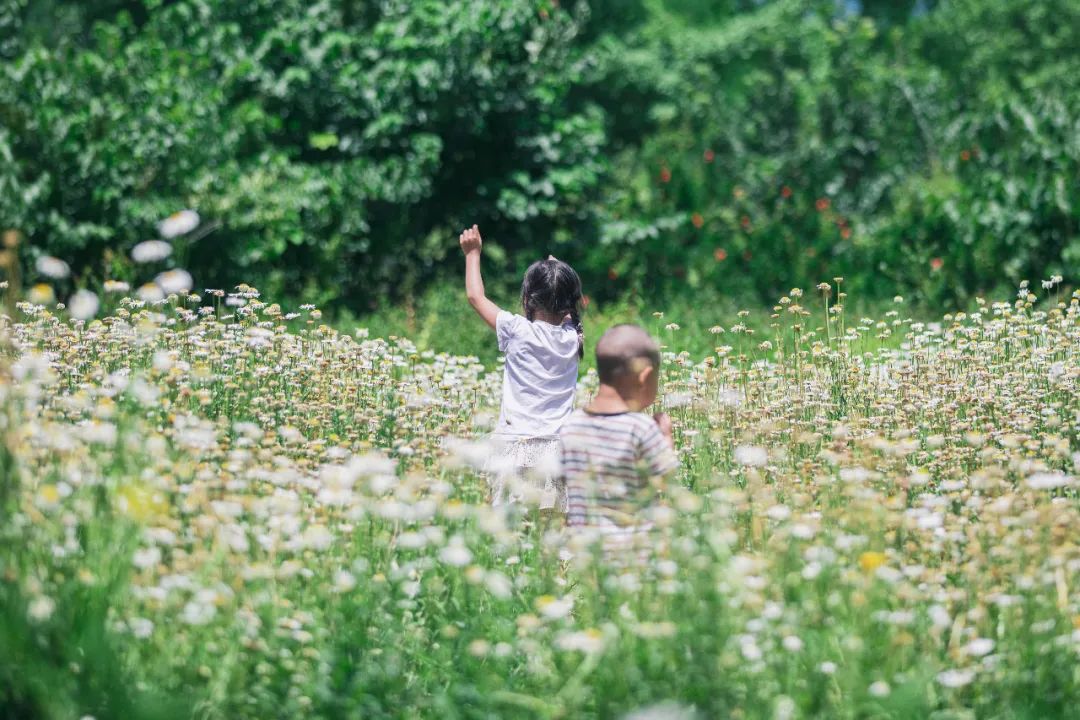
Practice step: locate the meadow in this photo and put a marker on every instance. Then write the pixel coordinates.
(218, 507)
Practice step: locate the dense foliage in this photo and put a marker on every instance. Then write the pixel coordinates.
(333, 147)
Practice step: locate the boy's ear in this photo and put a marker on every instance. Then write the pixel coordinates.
(645, 373)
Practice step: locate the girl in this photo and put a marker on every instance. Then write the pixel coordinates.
(542, 350)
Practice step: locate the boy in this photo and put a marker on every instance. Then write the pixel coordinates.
(612, 453)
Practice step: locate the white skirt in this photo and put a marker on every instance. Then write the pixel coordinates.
(526, 470)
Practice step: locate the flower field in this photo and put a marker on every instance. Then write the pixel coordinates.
(213, 508)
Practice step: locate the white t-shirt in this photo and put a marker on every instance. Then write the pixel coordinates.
(540, 376)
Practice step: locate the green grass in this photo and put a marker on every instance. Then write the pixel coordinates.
(441, 320)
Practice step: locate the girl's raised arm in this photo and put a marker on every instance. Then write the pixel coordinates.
(474, 283)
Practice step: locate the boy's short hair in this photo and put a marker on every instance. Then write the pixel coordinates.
(621, 350)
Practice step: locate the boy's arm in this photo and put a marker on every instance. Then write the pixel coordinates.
(474, 283)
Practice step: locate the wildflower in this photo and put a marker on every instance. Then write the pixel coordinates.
(479, 647)
(145, 558)
(141, 628)
(179, 223)
(151, 251)
(83, 305)
(116, 286)
(41, 294)
(778, 513)
(955, 678)
(498, 584)
(1048, 481)
(668, 710)
(720, 254)
(751, 456)
(697, 220)
(198, 612)
(665, 175)
(870, 561)
(150, 293)
(316, 537)
(41, 608)
(174, 282)
(749, 648)
(344, 581)
(792, 643)
(979, 647)
(554, 608)
(52, 267)
(48, 495)
(140, 504)
(822, 204)
(879, 689)
(455, 553)
(784, 708)
(936, 264)
(586, 641)
(652, 630)
(708, 156)
(939, 617)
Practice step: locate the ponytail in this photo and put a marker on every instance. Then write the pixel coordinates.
(575, 318)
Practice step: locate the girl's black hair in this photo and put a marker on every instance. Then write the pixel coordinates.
(553, 287)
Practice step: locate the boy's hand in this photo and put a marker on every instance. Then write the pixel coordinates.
(663, 421)
(470, 240)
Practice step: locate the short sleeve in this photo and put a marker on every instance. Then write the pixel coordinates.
(507, 326)
(655, 453)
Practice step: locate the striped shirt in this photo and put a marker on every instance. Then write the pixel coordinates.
(608, 464)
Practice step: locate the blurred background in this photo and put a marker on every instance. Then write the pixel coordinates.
(691, 156)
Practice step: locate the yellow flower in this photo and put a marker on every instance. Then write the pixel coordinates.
(48, 495)
(871, 561)
(141, 504)
(42, 294)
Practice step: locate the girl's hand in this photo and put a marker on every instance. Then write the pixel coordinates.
(470, 240)
(474, 283)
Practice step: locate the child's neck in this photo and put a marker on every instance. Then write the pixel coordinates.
(609, 400)
(549, 318)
